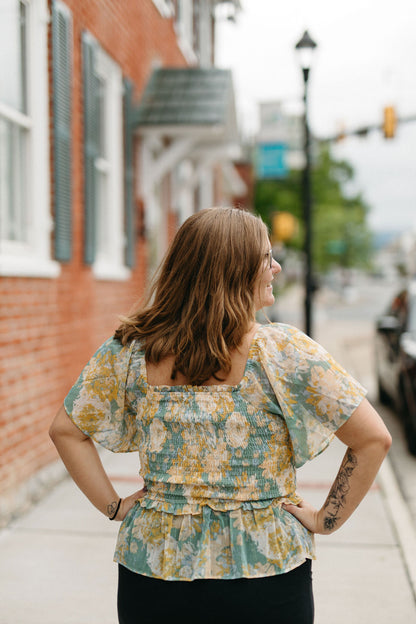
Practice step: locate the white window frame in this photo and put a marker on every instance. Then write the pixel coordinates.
(33, 258)
(184, 30)
(109, 263)
(165, 7)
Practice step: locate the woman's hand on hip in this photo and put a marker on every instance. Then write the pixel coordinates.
(128, 503)
(307, 515)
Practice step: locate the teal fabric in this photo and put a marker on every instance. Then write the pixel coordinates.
(218, 461)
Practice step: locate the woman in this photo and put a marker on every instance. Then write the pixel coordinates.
(222, 411)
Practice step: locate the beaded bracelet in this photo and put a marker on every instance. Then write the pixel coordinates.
(116, 511)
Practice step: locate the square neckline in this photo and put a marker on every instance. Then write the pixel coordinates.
(182, 388)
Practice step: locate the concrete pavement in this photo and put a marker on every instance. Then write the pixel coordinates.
(56, 561)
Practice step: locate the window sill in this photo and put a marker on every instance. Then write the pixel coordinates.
(110, 272)
(28, 266)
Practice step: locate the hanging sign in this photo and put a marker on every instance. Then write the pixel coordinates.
(271, 160)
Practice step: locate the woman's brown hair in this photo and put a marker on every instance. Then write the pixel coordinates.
(202, 301)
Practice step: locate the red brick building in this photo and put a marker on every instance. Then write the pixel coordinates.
(93, 183)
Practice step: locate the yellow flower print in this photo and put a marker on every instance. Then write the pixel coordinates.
(247, 487)
(325, 382)
(216, 461)
(324, 385)
(158, 434)
(178, 409)
(148, 410)
(237, 430)
(291, 363)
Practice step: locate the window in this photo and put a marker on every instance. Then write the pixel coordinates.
(103, 163)
(25, 219)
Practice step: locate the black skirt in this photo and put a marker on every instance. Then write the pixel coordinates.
(279, 599)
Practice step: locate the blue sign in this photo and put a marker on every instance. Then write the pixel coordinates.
(271, 160)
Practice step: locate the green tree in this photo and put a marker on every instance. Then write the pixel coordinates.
(340, 231)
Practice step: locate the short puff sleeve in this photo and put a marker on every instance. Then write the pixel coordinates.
(316, 395)
(99, 403)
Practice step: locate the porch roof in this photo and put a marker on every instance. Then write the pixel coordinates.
(184, 98)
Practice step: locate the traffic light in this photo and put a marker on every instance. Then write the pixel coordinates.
(340, 136)
(389, 122)
(284, 226)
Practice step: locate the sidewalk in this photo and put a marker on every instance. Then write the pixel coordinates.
(56, 562)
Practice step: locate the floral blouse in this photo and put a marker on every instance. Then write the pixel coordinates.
(218, 461)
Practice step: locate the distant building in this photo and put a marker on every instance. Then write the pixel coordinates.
(114, 127)
(398, 256)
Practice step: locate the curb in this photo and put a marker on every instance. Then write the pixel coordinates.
(19, 501)
(401, 519)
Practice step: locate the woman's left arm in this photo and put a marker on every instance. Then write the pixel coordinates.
(368, 442)
(83, 463)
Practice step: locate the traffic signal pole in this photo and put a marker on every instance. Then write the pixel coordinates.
(388, 127)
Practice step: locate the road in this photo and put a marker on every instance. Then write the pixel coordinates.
(344, 324)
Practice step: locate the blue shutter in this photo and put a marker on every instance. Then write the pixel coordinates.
(91, 144)
(129, 217)
(62, 148)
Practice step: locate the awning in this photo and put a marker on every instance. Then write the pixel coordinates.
(183, 101)
(194, 108)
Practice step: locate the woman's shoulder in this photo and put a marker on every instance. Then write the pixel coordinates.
(111, 358)
(279, 332)
(285, 340)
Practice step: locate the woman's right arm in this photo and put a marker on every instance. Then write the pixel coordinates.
(368, 442)
(83, 463)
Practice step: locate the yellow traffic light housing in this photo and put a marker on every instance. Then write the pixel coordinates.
(284, 226)
(389, 122)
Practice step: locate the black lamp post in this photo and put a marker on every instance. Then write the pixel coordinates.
(305, 48)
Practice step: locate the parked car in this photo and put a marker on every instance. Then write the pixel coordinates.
(396, 359)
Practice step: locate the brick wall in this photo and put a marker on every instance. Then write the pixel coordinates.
(246, 172)
(50, 327)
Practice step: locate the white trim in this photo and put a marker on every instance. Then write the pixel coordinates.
(165, 7)
(206, 188)
(34, 258)
(109, 262)
(187, 50)
(184, 31)
(105, 270)
(28, 266)
(237, 186)
(213, 132)
(205, 34)
(11, 114)
(172, 155)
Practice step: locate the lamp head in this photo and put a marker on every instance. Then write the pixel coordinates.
(305, 46)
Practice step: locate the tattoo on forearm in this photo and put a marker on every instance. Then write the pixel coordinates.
(111, 508)
(336, 497)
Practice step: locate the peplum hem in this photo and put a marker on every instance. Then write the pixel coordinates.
(258, 538)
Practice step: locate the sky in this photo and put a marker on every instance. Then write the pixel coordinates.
(365, 60)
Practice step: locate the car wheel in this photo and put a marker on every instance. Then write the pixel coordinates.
(383, 397)
(410, 431)
(409, 420)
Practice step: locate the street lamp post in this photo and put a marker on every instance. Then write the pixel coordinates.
(305, 47)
